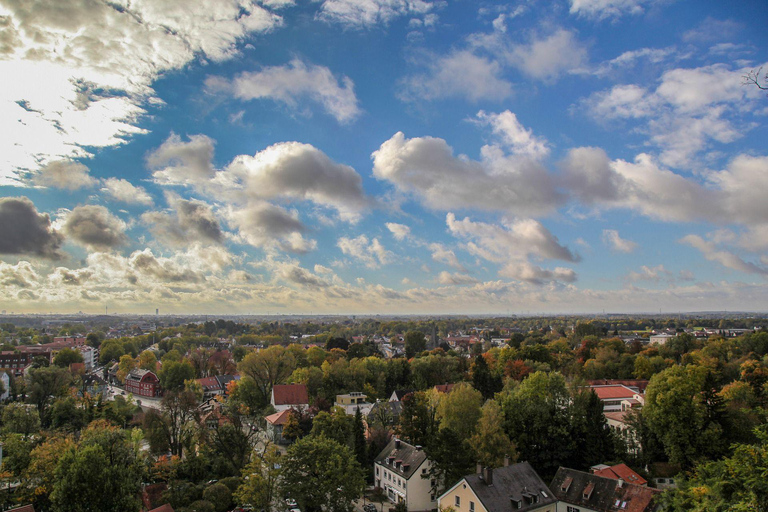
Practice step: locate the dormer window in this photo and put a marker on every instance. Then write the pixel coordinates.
(588, 491)
(566, 484)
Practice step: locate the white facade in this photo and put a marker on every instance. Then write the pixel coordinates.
(661, 338)
(6, 380)
(415, 491)
(89, 356)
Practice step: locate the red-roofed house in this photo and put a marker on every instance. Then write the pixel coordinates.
(285, 396)
(142, 383)
(612, 397)
(163, 508)
(444, 388)
(619, 472)
(275, 424)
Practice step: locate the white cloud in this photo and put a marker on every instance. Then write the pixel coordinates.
(460, 74)
(99, 60)
(177, 162)
(530, 273)
(290, 83)
(655, 274)
(711, 252)
(372, 253)
(266, 225)
(455, 279)
(548, 57)
(368, 13)
(64, 174)
(94, 227)
(190, 221)
(514, 135)
(442, 254)
(612, 239)
(399, 231)
(426, 167)
(602, 9)
(125, 191)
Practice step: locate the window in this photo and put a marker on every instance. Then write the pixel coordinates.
(572, 509)
(471, 506)
(458, 501)
(377, 471)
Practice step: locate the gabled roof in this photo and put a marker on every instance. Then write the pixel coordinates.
(406, 454)
(398, 394)
(605, 494)
(622, 471)
(444, 388)
(210, 384)
(279, 418)
(25, 508)
(518, 482)
(163, 508)
(290, 394)
(392, 409)
(139, 374)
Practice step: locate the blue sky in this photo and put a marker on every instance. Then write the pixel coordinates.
(382, 156)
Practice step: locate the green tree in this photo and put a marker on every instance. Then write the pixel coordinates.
(21, 419)
(261, 479)
(336, 425)
(220, 495)
(174, 373)
(358, 438)
(292, 429)
(173, 427)
(491, 444)
(322, 475)
(103, 473)
(415, 343)
(268, 367)
(110, 351)
(483, 380)
(94, 339)
(44, 385)
(459, 410)
(66, 357)
(148, 361)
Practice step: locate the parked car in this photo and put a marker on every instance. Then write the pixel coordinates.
(291, 503)
(369, 507)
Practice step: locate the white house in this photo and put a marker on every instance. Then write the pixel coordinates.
(401, 470)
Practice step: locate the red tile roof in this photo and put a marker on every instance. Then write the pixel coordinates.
(290, 394)
(624, 472)
(25, 508)
(279, 418)
(614, 392)
(444, 388)
(616, 415)
(163, 508)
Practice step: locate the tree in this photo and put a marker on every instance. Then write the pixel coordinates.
(482, 378)
(39, 477)
(261, 479)
(292, 429)
(110, 350)
(66, 357)
(148, 361)
(336, 425)
(459, 410)
(358, 438)
(415, 343)
(125, 366)
(93, 339)
(174, 373)
(220, 495)
(490, 442)
(268, 367)
(44, 385)
(21, 419)
(753, 78)
(333, 343)
(418, 419)
(173, 427)
(322, 474)
(103, 473)
(683, 411)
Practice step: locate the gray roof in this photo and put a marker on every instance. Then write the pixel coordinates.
(392, 409)
(400, 393)
(518, 482)
(407, 454)
(138, 374)
(602, 494)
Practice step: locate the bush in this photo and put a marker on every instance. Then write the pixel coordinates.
(232, 482)
(219, 495)
(201, 506)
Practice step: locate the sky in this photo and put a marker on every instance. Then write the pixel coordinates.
(382, 156)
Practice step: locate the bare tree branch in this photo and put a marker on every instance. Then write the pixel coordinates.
(753, 78)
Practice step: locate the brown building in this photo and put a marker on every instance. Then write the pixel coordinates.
(142, 383)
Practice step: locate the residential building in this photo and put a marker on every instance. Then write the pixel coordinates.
(619, 472)
(385, 414)
(70, 341)
(89, 356)
(353, 401)
(401, 470)
(512, 487)
(577, 491)
(444, 388)
(16, 361)
(613, 395)
(142, 383)
(286, 396)
(399, 394)
(275, 424)
(661, 339)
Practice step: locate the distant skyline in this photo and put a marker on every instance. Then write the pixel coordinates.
(383, 156)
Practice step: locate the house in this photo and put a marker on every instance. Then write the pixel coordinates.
(211, 387)
(142, 383)
(614, 395)
(636, 385)
(275, 424)
(577, 491)
(399, 471)
(619, 472)
(285, 396)
(661, 339)
(353, 401)
(399, 394)
(385, 414)
(512, 487)
(444, 388)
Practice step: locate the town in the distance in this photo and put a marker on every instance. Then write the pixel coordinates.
(384, 414)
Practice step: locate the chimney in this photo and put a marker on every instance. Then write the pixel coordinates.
(479, 469)
(621, 483)
(488, 476)
(397, 444)
(507, 461)
(418, 447)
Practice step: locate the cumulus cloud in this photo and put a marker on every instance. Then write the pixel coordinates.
(442, 254)
(546, 58)
(177, 162)
(291, 170)
(64, 174)
(455, 279)
(20, 275)
(712, 252)
(371, 253)
(602, 9)
(369, 13)
(515, 240)
(25, 231)
(190, 221)
(530, 273)
(266, 225)
(290, 83)
(612, 239)
(124, 191)
(514, 135)
(95, 227)
(399, 231)
(94, 93)
(460, 74)
(427, 167)
(293, 273)
(655, 274)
